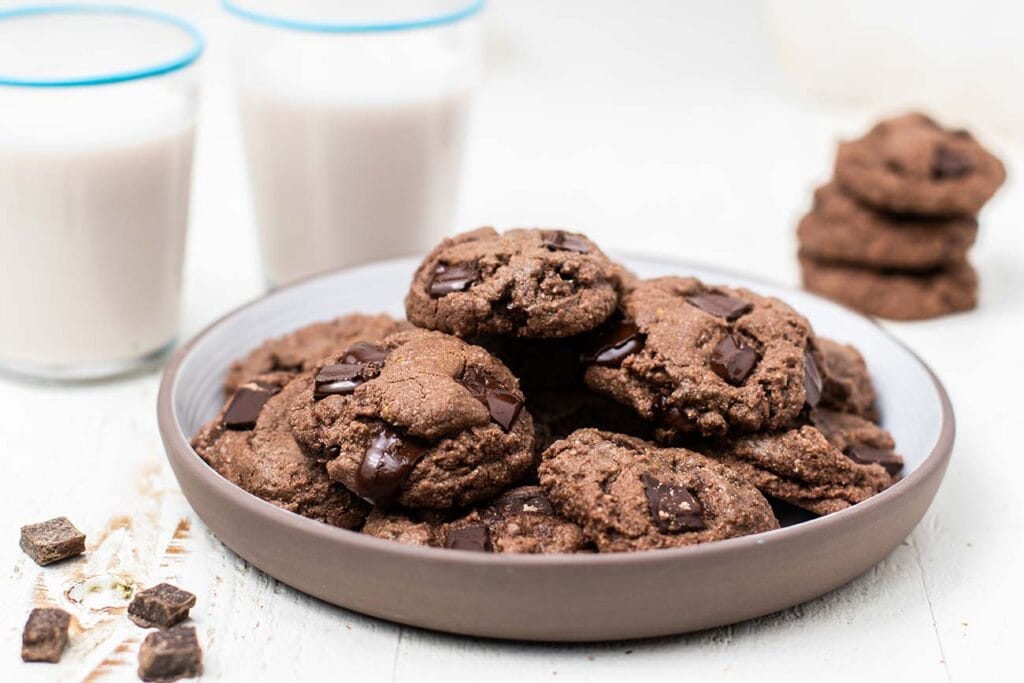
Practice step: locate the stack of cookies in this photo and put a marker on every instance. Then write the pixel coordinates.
(889, 235)
(542, 399)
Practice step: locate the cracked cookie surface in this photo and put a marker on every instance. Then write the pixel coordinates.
(251, 445)
(520, 283)
(628, 494)
(801, 467)
(706, 359)
(423, 420)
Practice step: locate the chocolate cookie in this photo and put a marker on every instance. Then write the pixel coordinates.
(840, 229)
(299, 350)
(846, 384)
(521, 283)
(697, 358)
(801, 467)
(627, 494)
(424, 420)
(910, 164)
(859, 439)
(894, 294)
(250, 444)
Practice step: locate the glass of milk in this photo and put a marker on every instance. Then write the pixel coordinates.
(354, 119)
(97, 114)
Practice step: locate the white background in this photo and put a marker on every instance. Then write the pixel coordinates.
(663, 127)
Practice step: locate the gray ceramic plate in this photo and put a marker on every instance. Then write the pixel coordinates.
(558, 597)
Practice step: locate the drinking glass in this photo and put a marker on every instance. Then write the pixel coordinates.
(97, 113)
(354, 119)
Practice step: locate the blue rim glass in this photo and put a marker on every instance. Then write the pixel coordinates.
(195, 49)
(470, 8)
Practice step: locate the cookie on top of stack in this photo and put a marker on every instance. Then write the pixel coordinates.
(542, 399)
(889, 235)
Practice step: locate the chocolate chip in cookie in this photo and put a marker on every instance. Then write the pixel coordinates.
(246, 404)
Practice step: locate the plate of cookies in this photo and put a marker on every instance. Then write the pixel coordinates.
(519, 436)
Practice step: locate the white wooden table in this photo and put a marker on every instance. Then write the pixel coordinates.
(653, 136)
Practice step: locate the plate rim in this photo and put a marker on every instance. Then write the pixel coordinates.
(177, 443)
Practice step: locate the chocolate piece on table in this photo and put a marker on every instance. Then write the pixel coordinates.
(246, 405)
(503, 405)
(673, 508)
(169, 654)
(475, 537)
(622, 341)
(452, 277)
(733, 360)
(560, 240)
(45, 635)
(163, 605)
(51, 541)
(386, 464)
(721, 305)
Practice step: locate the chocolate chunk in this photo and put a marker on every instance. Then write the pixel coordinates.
(616, 345)
(45, 635)
(812, 380)
(559, 240)
(163, 605)
(339, 379)
(866, 455)
(365, 352)
(503, 405)
(733, 360)
(475, 537)
(673, 508)
(672, 416)
(721, 305)
(51, 541)
(949, 164)
(453, 277)
(385, 466)
(519, 502)
(246, 404)
(362, 361)
(170, 654)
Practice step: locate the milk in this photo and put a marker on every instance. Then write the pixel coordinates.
(93, 211)
(338, 183)
(354, 143)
